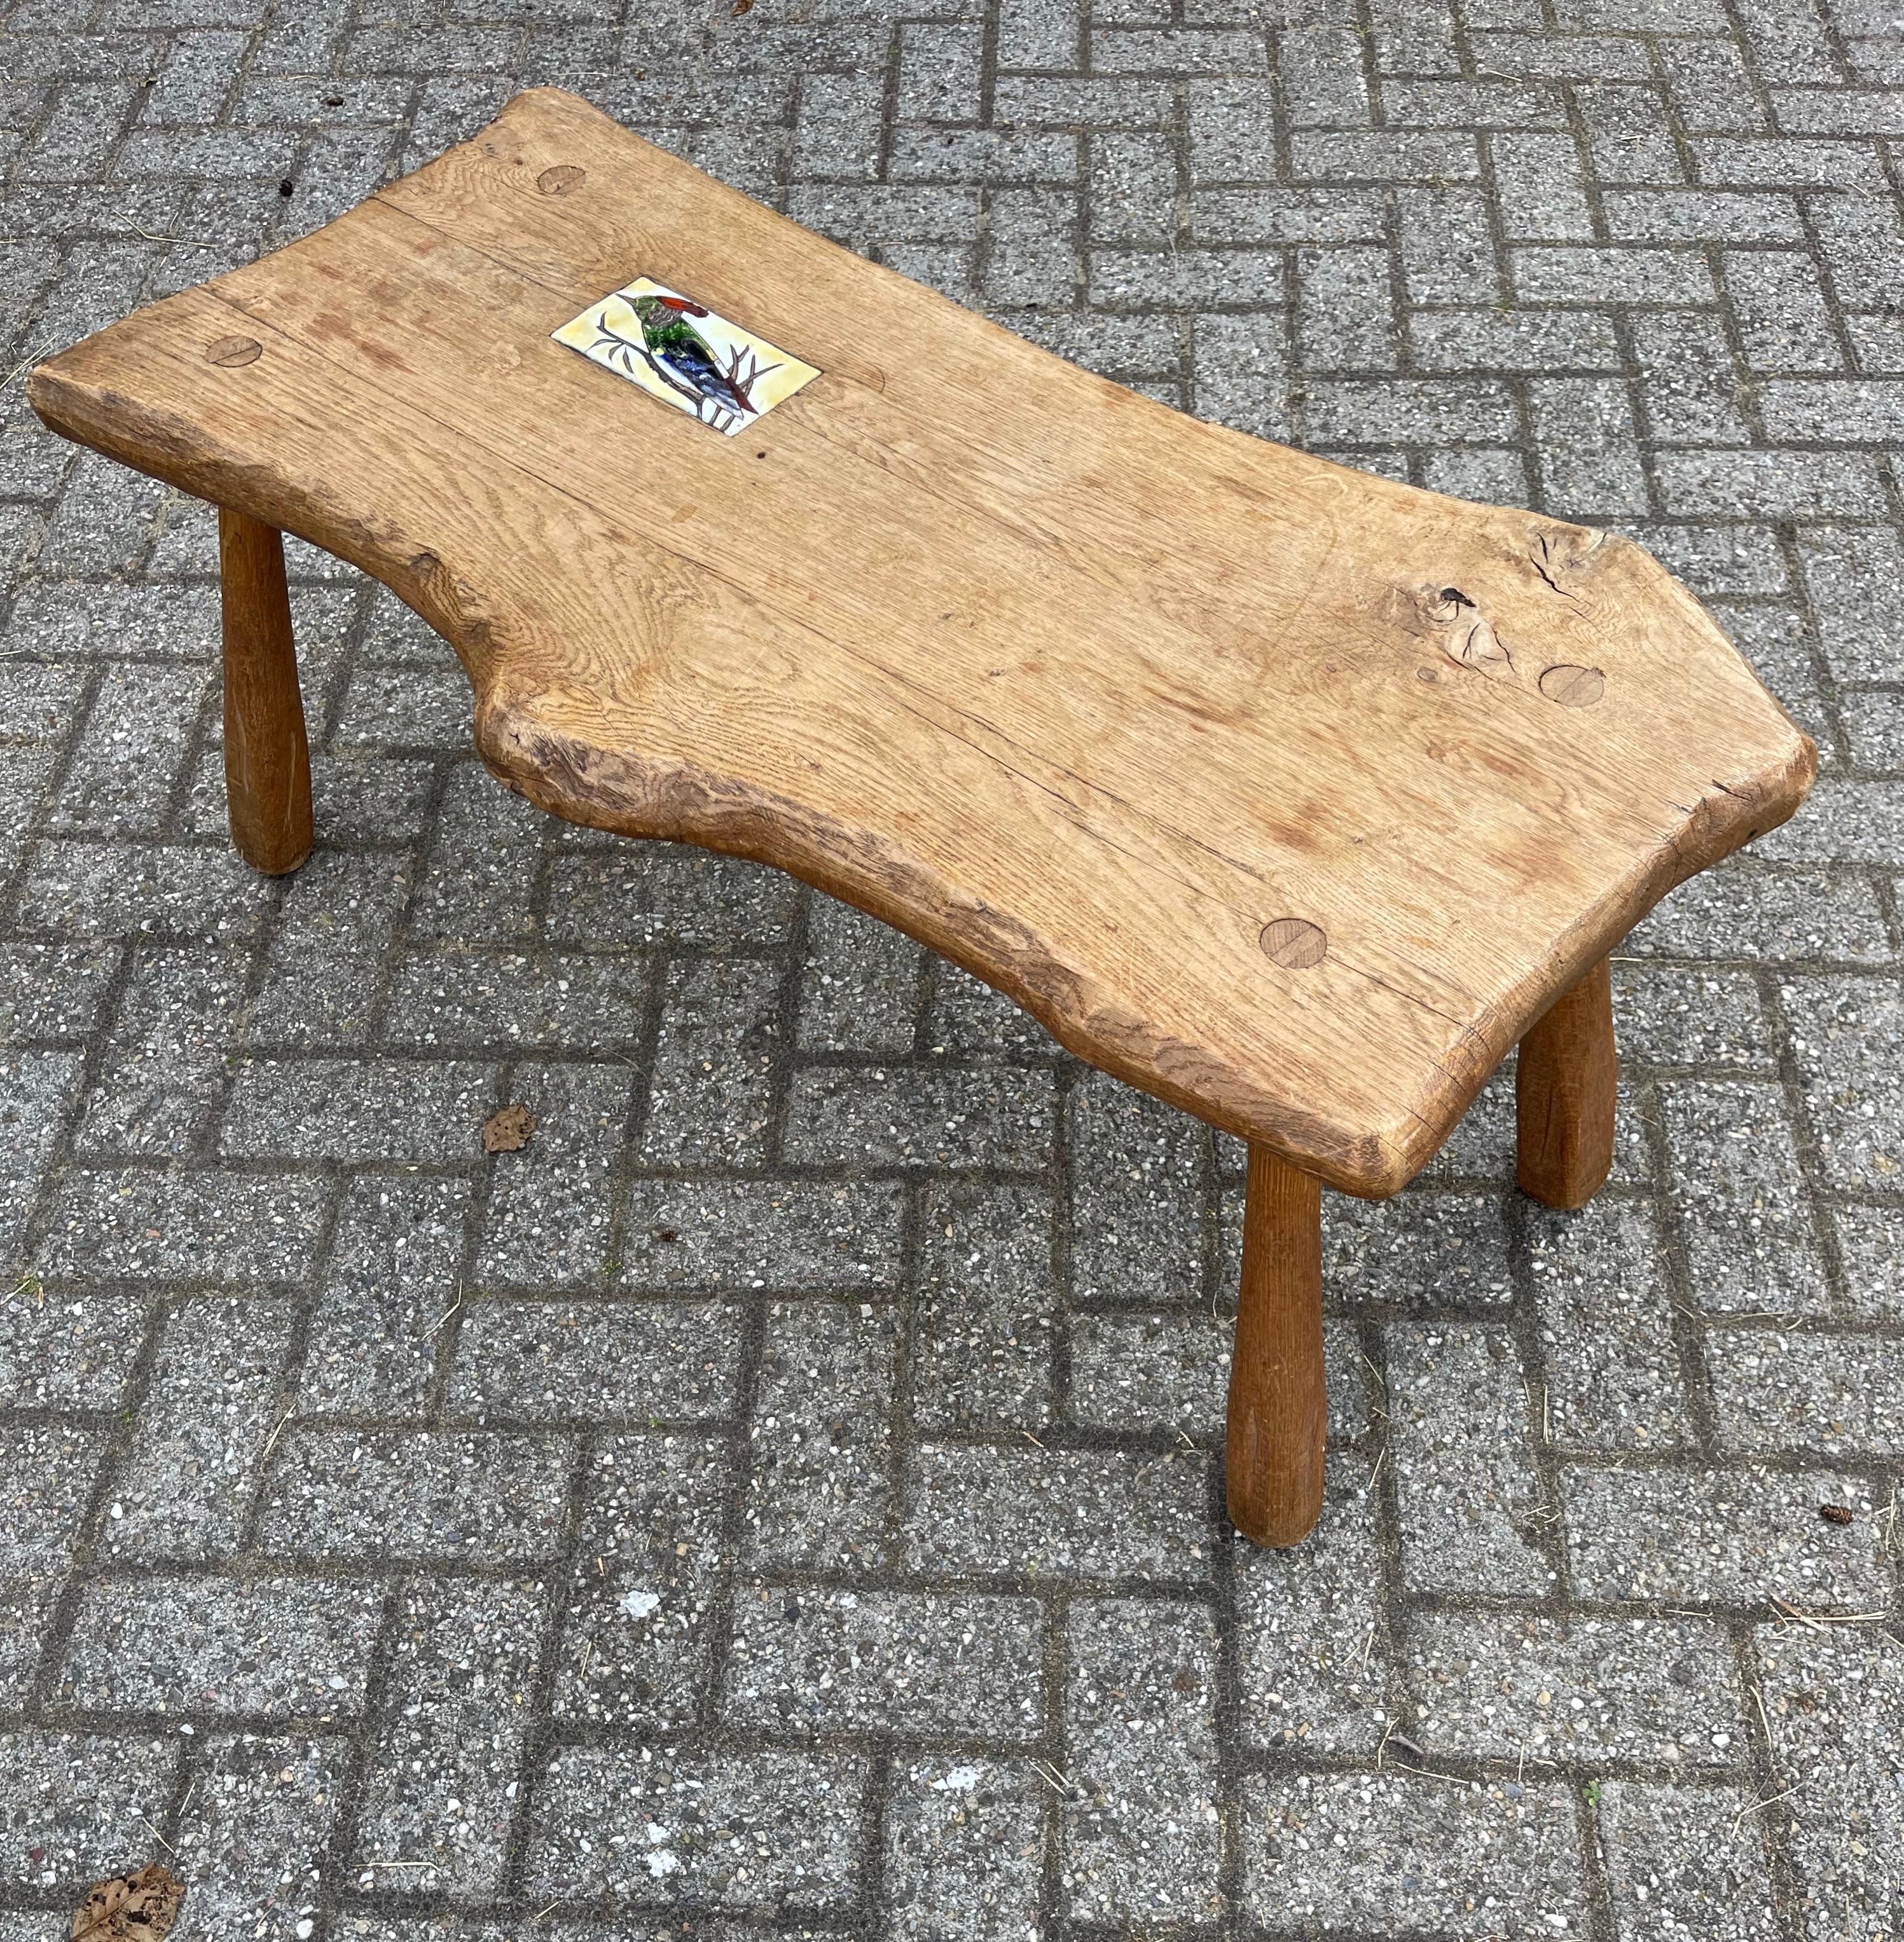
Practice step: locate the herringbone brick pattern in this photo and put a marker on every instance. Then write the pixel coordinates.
(784, 1498)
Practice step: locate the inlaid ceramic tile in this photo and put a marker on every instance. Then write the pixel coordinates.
(682, 353)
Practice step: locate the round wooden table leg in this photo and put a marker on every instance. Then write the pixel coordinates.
(1565, 1088)
(1279, 1406)
(267, 759)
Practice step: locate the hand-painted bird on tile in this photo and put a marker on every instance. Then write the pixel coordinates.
(681, 356)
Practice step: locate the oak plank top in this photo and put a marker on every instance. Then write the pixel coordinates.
(1287, 793)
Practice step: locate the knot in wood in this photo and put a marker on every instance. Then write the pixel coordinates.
(559, 181)
(231, 351)
(1295, 943)
(1573, 686)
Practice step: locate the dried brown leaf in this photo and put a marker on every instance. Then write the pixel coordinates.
(507, 1130)
(140, 1907)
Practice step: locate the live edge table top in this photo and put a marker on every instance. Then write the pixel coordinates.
(1287, 793)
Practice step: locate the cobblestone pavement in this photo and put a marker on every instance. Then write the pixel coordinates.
(785, 1497)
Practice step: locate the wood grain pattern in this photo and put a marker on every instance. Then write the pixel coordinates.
(267, 759)
(1278, 1399)
(1566, 1088)
(1083, 694)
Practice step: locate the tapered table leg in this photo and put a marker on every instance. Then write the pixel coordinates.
(1279, 1407)
(1564, 1088)
(267, 759)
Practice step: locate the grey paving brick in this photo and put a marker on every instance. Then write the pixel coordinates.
(636, 1637)
(720, 1830)
(1035, 34)
(1056, 1513)
(201, 1227)
(713, 1077)
(1693, 395)
(1471, 1510)
(66, 1351)
(1140, 1829)
(550, 1208)
(633, 1362)
(51, 1479)
(1324, 84)
(1494, 1685)
(1728, 1537)
(1447, 246)
(1613, 1379)
(555, 999)
(910, 1664)
(441, 1778)
(1849, 1030)
(1183, 279)
(1313, 1640)
(1240, 367)
(1150, 1369)
(1589, 450)
(915, 1116)
(253, 1835)
(861, 989)
(262, 1647)
(390, 1282)
(1512, 340)
(981, 1342)
(184, 1489)
(323, 977)
(1541, 192)
(1871, 1249)
(965, 1848)
(1673, 1017)
(1685, 1858)
(125, 761)
(722, 1234)
(42, 700)
(1033, 255)
(1778, 298)
(1419, 1250)
(1752, 1244)
(77, 1807)
(87, 890)
(1788, 40)
(1136, 1205)
(1833, 1394)
(1743, 912)
(1827, 1697)
(452, 1497)
(1232, 128)
(1765, 484)
(164, 1070)
(39, 1090)
(1353, 1850)
(345, 1109)
(1345, 310)
(819, 1492)
(1400, 155)
(1434, 411)
(1133, 185)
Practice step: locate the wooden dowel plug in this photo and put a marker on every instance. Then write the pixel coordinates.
(1279, 1405)
(1565, 1088)
(267, 759)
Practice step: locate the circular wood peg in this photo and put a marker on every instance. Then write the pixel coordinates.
(1295, 943)
(1573, 686)
(231, 351)
(559, 181)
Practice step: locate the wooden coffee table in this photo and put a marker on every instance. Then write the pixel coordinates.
(1292, 795)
